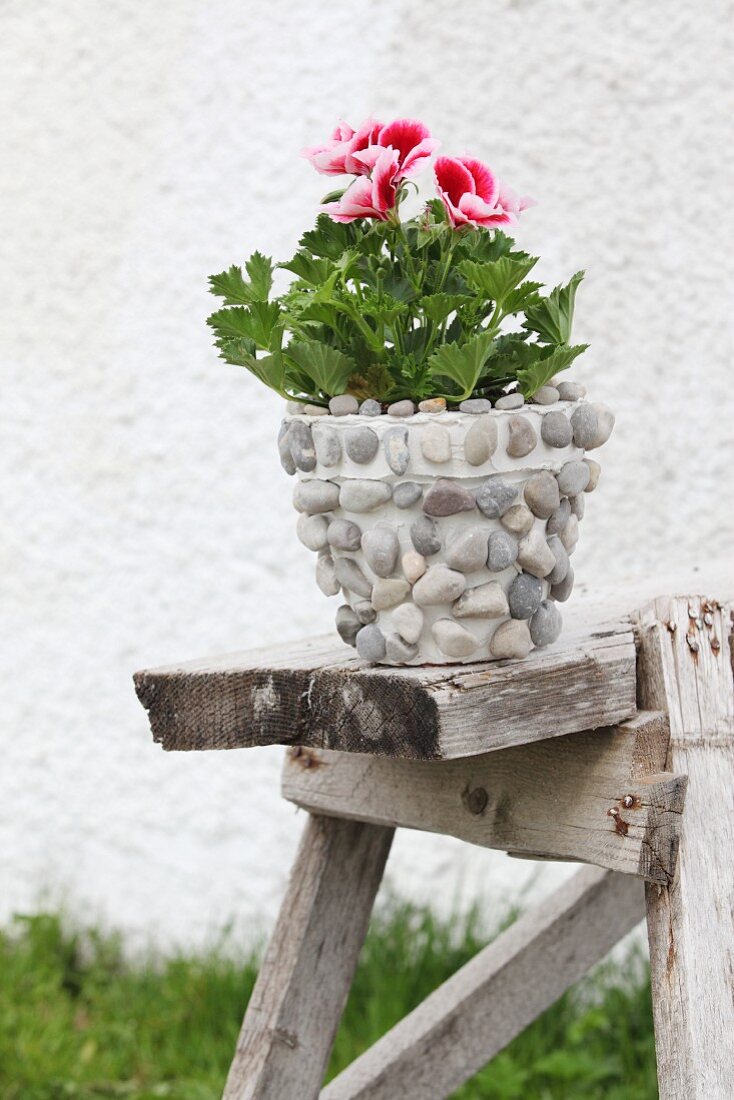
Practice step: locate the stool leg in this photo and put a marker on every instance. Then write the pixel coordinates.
(296, 1005)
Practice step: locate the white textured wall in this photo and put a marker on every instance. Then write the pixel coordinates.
(145, 517)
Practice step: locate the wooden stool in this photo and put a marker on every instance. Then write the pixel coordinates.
(585, 751)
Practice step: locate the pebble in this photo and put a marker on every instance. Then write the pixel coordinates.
(510, 640)
(524, 596)
(446, 498)
(518, 519)
(558, 520)
(467, 550)
(573, 478)
(381, 548)
(359, 495)
(361, 444)
(502, 551)
(313, 531)
(605, 424)
(486, 601)
(432, 405)
(546, 395)
(562, 591)
(534, 555)
(398, 651)
(510, 401)
(571, 391)
(424, 535)
(475, 405)
(406, 493)
(570, 534)
(439, 584)
(414, 565)
(370, 407)
(578, 505)
(365, 611)
(326, 577)
(343, 534)
(351, 576)
(595, 472)
(522, 437)
(559, 552)
(401, 408)
(546, 623)
(541, 494)
(370, 643)
(343, 405)
(315, 410)
(316, 496)
(453, 639)
(294, 408)
(555, 429)
(286, 458)
(328, 445)
(585, 424)
(388, 592)
(494, 497)
(408, 621)
(436, 443)
(480, 441)
(395, 446)
(347, 624)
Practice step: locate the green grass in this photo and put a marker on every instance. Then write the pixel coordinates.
(77, 1021)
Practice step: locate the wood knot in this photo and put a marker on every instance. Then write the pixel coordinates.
(475, 800)
(305, 758)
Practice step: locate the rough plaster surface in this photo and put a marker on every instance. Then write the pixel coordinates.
(145, 517)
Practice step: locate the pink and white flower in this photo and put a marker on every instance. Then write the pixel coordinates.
(371, 196)
(336, 157)
(355, 152)
(473, 195)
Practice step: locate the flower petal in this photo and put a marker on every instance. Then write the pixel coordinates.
(403, 134)
(486, 184)
(416, 159)
(452, 178)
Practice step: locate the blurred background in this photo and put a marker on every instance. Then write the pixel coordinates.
(146, 146)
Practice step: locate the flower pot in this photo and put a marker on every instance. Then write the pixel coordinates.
(447, 534)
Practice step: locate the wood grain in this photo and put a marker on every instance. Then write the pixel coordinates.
(685, 668)
(304, 979)
(477, 1012)
(599, 797)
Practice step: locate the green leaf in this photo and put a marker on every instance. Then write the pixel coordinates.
(333, 196)
(437, 307)
(496, 280)
(260, 270)
(240, 351)
(521, 297)
(311, 271)
(329, 368)
(259, 323)
(231, 286)
(462, 364)
(328, 239)
(551, 317)
(486, 246)
(540, 372)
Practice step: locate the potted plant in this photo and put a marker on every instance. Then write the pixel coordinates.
(441, 463)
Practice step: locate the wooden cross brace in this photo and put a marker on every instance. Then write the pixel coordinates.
(587, 751)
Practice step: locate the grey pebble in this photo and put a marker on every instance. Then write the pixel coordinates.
(347, 624)
(502, 551)
(546, 395)
(522, 437)
(541, 494)
(371, 643)
(467, 550)
(424, 535)
(286, 458)
(301, 444)
(438, 585)
(573, 478)
(447, 498)
(555, 429)
(370, 407)
(534, 555)
(453, 639)
(595, 472)
(343, 405)
(475, 405)
(578, 505)
(361, 444)
(546, 623)
(364, 611)
(518, 519)
(401, 408)
(395, 446)
(486, 601)
(344, 534)
(436, 443)
(315, 410)
(524, 596)
(569, 536)
(562, 591)
(316, 496)
(328, 445)
(571, 391)
(511, 640)
(294, 408)
(510, 401)
(605, 424)
(326, 577)
(585, 424)
(494, 496)
(557, 521)
(406, 493)
(312, 531)
(400, 651)
(363, 495)
(381, 548)
(560, 553)
(351, 576)
(480, 442)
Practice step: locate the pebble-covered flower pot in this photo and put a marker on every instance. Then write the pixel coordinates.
(447, 533)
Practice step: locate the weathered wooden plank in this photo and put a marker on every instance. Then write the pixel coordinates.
(299, 996)
(598, 797)
(473, 1015)
(685, 669)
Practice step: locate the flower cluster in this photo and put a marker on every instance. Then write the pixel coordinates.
(383, 157)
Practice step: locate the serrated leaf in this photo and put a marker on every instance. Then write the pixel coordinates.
(260, 270)
(258, 322)
(521, 297)
(315, 272)
(486, 246)
(241, 352)
(437, 307)
(329, 368)
(231, 286)
(497, 279)
(551, 318)
(540, 372)
(328, 239)
(462, 363)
